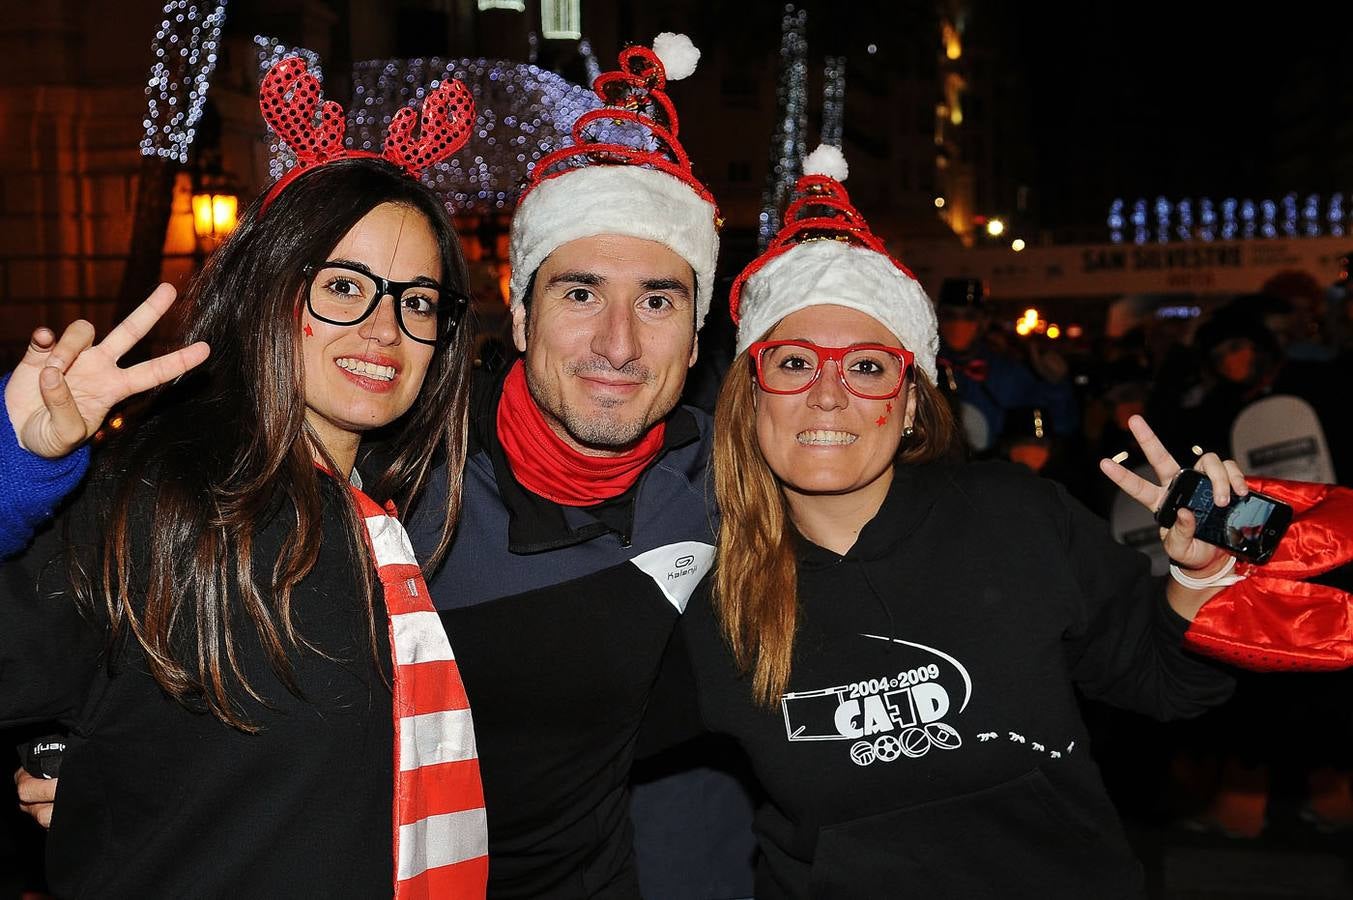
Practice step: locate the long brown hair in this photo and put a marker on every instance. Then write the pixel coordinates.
(228, 447)
(756, 581)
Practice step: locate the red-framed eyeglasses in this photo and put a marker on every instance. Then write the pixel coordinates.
(869, 371)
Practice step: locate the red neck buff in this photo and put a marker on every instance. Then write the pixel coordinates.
(549, 467)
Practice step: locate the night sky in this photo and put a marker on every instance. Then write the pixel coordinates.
(1185, 99)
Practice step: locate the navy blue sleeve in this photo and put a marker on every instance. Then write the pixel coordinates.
(31, 486)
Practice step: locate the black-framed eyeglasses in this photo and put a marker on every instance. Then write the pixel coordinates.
(869, 371)
(342, 294)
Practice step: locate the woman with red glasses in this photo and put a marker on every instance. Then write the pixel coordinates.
(895, 637)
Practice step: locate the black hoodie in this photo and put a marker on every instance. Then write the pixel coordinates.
(930, 744)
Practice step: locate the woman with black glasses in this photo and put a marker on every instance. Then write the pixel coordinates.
(896, 637)
(229, 620)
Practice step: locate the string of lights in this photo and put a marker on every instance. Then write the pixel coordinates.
(1289, 216)
(589, 60)
(185, 47)
(524, 112)
(788, 141)
(833, 99)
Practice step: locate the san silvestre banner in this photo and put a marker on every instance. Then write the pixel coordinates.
(1107, 270)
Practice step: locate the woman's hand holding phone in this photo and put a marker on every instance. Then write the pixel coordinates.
(1182, 545)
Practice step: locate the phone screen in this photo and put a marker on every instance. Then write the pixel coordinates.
(1239, 526)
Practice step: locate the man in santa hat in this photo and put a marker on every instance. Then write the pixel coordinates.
(585, 524)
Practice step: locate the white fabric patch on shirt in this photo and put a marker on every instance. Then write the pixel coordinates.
(677, 569)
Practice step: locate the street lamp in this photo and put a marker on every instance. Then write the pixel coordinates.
(214, 214)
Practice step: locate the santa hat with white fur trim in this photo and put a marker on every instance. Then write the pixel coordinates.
(644, 189)
(826, 254)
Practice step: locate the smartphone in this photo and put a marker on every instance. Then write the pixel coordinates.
(1250, 527)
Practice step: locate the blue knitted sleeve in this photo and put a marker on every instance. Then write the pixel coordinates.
(30, 485)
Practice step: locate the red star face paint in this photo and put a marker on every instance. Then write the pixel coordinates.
(881, 421)
(309, 332)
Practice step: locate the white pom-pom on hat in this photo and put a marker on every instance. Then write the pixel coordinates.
(827, 160)
(678, 55)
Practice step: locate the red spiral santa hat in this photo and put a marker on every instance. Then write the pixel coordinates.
(608, 185)
(826, 254)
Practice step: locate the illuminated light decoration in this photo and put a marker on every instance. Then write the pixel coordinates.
(1054, 332)
(833, 100)
(589, 61)
(1017, 244)
(1228, 213)
(787, 145)
(524, 112)
(185, 48)
(271, 51)
(1184, 230)
(1310, 216)
(939, 203)
(872, 49)
(1139, 231)
(952, 107)
(512, 5)
(1178, 312)
(561, 20)
(1162, 209)
(995, 227)
(1116, 221)
(1074, 331)
(1289, 220)
(1247, 218)
(953, 42)
(1207, 220)
(1291, 216)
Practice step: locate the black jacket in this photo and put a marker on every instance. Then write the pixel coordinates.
(560, 617)
(157, 800)
(930, 744)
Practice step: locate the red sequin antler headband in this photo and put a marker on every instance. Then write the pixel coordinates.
(289, 97)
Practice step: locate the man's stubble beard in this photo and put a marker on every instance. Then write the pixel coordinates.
(600, 433)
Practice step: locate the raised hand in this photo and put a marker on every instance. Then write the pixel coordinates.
(1180, 544)
(62, 389)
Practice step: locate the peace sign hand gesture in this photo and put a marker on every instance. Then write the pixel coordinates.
(62, 389)
(1180, 544)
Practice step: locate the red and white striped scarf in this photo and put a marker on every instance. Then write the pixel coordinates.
(441, 837)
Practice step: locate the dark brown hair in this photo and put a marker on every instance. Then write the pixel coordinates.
(228, 447)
